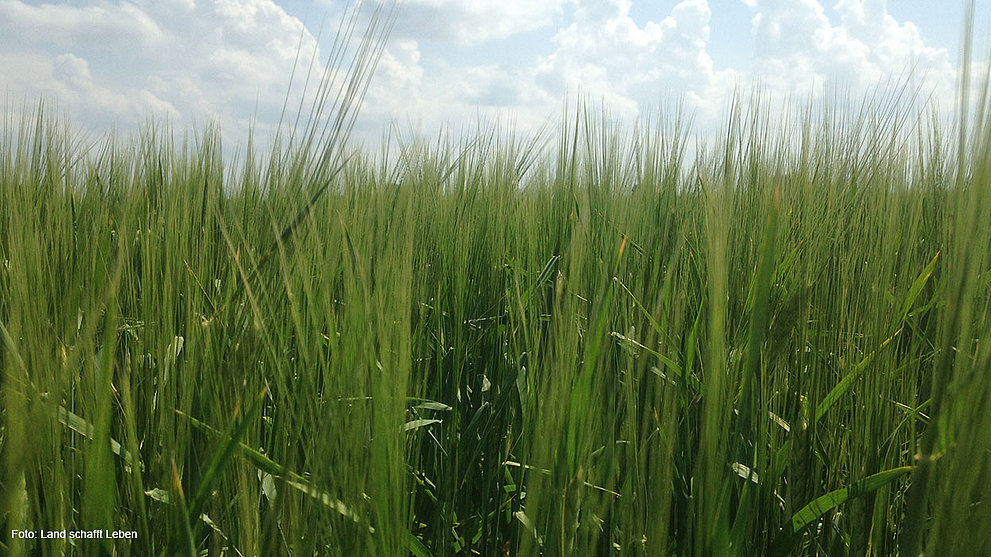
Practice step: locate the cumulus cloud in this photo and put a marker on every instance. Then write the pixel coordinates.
(61, 26)
(397, 88)
(799, 50)
(632, 67)
(599, 49)
(122, 62)
(601, 53)
(474, 22)
(428, 96)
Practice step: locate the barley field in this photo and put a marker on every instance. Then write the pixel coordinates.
(599, 342)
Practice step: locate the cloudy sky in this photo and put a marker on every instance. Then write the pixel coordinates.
(113, 64)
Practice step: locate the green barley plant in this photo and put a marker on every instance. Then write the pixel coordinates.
(597, 342)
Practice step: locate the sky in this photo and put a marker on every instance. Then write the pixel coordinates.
(450, 64)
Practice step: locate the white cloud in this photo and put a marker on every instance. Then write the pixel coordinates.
(799, 50)
(61, 26)
(122, 62)
(397, 87)
(116, 61)
(632, 67)
(408, 93)
(602, 54)
(475, 21)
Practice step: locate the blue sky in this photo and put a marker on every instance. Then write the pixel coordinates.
(112, 64)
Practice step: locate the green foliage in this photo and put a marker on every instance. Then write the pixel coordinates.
(494, 348)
